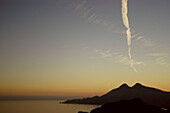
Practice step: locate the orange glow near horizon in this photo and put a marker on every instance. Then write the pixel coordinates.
(67, 93)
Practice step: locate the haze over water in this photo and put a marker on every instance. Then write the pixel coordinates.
(41, 106)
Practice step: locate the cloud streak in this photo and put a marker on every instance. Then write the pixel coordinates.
(87, 12)
(160, 59)
(106, 53)
(125, 60)
(78, 6)
(128, 31)
(115, 57)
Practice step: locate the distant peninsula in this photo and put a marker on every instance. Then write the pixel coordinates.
(147, 94)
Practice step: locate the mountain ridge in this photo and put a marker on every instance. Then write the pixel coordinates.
(147, 94)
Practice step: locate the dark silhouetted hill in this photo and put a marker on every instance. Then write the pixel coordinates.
(82, 112)
(124, 92)
(129, 106)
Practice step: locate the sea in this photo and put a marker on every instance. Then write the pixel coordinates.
(42, 106)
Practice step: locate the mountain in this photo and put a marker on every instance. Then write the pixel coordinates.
(129, 106)
(124, 92)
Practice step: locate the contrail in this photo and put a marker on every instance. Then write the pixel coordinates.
(128, 32)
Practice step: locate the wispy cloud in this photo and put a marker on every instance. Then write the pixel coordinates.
(106, 53)
(115, 57)
(87, 12)
(155, 54)
(80, 5)
(135, 35)
(128, 31)
(147, 42)
(119, 31)
(160, 58)
(140, 37)
(92, 17)
(125, 60)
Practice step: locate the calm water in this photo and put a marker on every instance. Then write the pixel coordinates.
(42, 106)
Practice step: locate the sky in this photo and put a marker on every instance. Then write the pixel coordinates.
(79, 47)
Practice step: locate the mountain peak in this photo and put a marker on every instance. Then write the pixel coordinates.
(138, 85)
(124, 85)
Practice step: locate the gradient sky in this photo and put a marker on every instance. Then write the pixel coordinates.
(79, 47)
